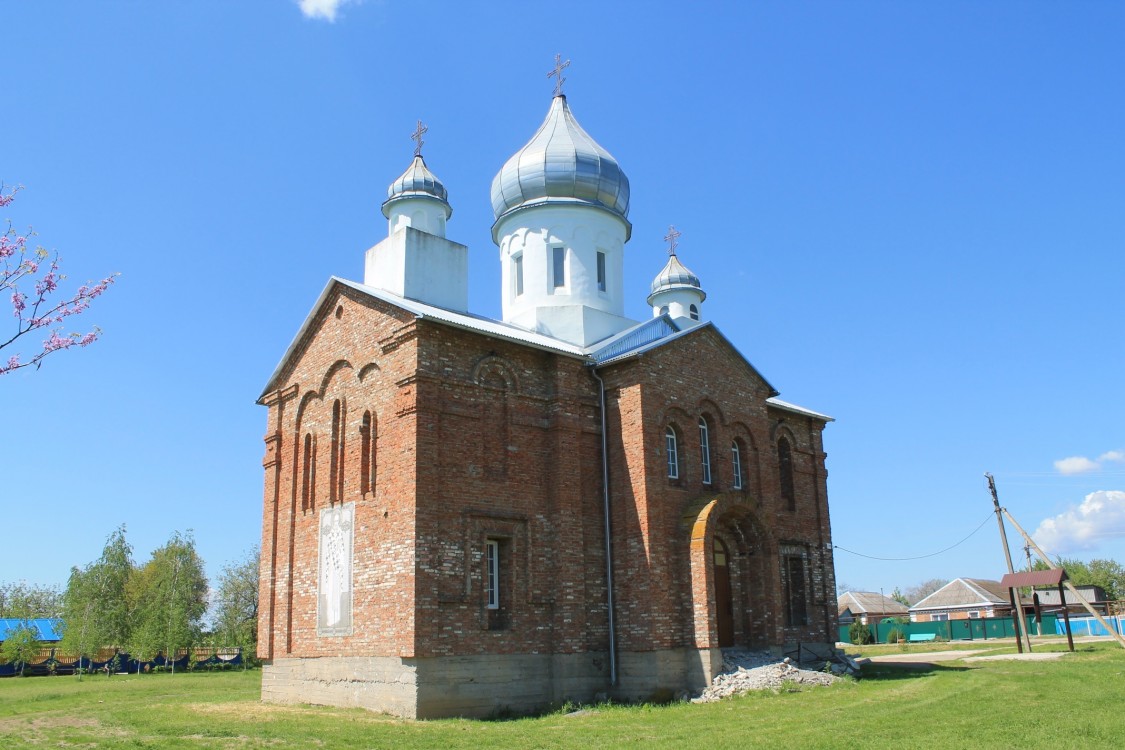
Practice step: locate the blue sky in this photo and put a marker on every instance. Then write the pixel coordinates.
(906, 215)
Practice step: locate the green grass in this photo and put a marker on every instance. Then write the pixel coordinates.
(1073, 702)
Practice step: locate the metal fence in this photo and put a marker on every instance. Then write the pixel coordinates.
(1090, 626)
(960, 630)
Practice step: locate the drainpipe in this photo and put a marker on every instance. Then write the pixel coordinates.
(608, 545)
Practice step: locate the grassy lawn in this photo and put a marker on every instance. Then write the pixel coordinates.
(1073, 702)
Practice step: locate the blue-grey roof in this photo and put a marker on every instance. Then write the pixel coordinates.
(631, 339)
(786, 406)
(417, 182)
(632, 342)
(561, 164)
(46, 629)
(675, 275)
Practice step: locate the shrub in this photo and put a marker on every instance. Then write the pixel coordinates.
(860, 634)
(896, 636)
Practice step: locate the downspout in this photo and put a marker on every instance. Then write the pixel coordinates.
(608, 545)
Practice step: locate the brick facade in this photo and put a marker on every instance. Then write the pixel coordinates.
(445, 438)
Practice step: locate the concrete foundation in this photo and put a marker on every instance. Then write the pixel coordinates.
(486, 685)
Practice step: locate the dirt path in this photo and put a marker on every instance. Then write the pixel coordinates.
(923, 659)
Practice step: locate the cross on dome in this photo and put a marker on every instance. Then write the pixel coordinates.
(419, 131)
(670, 238)
(557, 71)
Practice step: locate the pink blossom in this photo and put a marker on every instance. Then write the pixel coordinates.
(40, 311)
(56, 342)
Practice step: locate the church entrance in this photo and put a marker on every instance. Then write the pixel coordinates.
(724, 605)
(731, 575)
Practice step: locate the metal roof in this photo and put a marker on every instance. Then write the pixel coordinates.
(632, 342)
(964, 592)
(421, 310)
(1052, 577)
(675, 275)
(869, 602)
(46, 628)
(561, 164)
(786, 406)
(417, 182)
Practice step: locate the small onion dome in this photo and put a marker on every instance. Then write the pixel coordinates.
(561, 164)
(417, 182)
(676, 276)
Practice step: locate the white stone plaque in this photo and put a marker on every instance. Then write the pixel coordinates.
(334, 588)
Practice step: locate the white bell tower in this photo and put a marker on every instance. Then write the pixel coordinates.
(416, 261)
(561, 205)
(676, 291)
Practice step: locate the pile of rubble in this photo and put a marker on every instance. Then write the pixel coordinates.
(744, 671)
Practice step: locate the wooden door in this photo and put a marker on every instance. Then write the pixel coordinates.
(724, 606)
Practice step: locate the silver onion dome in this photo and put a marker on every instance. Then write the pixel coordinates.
(417, 182)
(676, 275)
(561, 164)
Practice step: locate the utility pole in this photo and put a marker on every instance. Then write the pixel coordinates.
(1027, 551)
(1077, 594)
(1017, 608)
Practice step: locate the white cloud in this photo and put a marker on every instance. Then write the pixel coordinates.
(1076, 465)
(325, 9)
(1115, 456)
(1083, 527)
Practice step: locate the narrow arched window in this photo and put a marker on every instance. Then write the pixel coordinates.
(785, 470)
(365, 453)
(517, 273)
(693, 312)
(333, 456)
(306, 473)
(664, 309)
(672, 453)
(736, 465)
(373, 452)
(705, 450)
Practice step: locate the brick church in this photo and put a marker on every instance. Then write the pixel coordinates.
(465, 516)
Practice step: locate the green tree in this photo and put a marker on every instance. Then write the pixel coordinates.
(20, 598)
(236, 605)
(900, 597)
(1109, 574)
(860, 634)
(96, 611)
(22, 642)
(170, 597)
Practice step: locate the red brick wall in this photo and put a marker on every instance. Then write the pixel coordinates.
(481, 438)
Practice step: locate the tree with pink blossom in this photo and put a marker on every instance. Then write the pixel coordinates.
(29, 278)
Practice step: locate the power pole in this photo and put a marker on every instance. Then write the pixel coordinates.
(1017, 608)
(1027, 551)
(1077, 594)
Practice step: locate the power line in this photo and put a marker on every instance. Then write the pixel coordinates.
(920, 557)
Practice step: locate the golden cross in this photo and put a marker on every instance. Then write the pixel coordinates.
(417, 137)
(559, 65)
(670, 238)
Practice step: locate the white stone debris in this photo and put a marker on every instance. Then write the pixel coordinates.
(744, 671)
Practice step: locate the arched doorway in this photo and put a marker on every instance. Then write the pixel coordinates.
(729, 553)
(724, 604)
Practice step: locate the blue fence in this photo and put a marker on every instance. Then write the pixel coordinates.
(1090, 626)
